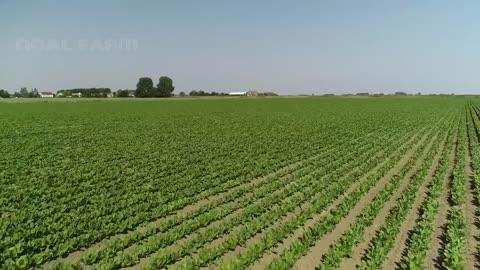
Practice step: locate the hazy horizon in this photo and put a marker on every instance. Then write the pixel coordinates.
(311, 47)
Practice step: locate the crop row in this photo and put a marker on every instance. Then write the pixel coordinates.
(324, 159)
(454, 251)
(417, 244)
(128, 239)
(252, 211)
(165, 253)
(301, 246)
(114, 177)
(384, 239)
(277, 235)
(474, 148)
(343, 247)
(69, 242)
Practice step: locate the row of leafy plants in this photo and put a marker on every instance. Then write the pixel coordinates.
(473, 126)
(384, 239)
(343, 247)
(75, 174)
(276, 233)
(301, 246)
(419, 239)
(455, 235)
(112, 247)
(226, 225)
(67, 237)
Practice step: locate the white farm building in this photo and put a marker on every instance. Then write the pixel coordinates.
(237, 93)
(46, 94)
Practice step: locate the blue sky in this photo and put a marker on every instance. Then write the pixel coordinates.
(289, 47)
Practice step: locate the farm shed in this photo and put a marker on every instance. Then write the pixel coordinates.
(46, 94)
(237, 93)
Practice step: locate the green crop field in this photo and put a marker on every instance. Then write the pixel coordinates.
(236, 183)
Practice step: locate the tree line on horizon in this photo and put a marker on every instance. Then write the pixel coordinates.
(145, 88)
(85, 92)
(23, 93)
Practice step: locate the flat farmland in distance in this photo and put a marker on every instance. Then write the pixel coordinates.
(240, 183)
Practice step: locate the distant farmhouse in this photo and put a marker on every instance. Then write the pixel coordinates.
(237, 93)
(47, 95)
(252, 93)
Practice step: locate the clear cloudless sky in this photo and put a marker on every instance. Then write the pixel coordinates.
(290, 47)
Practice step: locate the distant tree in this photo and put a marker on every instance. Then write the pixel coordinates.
(144, 87)
(400, 93)
(182, 94)
(23, 92)
(34, 93)
(4, 94)
(165, 87)
(122, 93)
